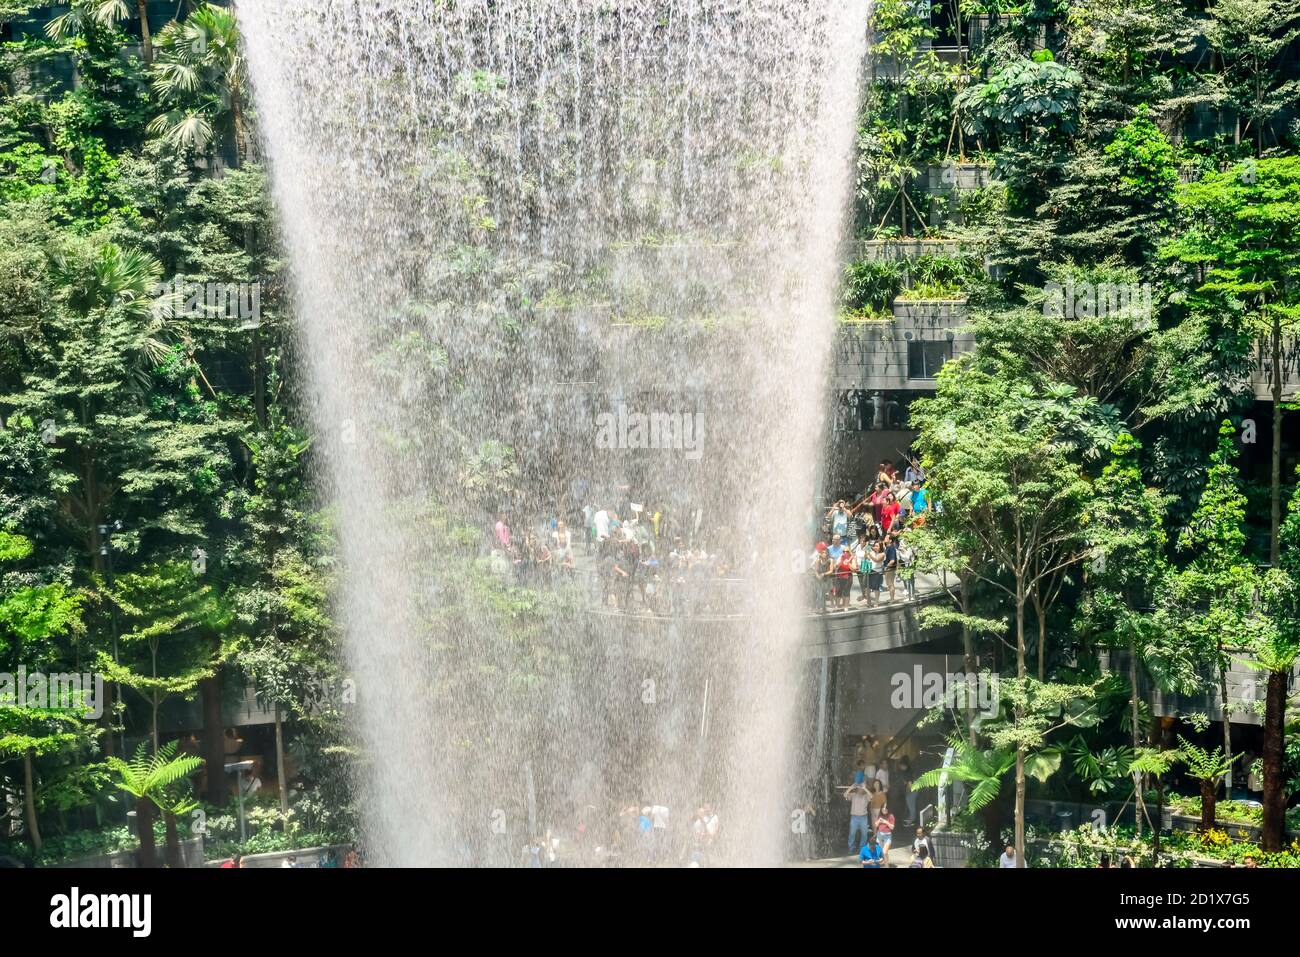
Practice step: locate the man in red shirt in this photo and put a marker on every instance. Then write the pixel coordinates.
(889, 513)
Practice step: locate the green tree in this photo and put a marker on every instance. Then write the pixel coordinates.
(170, 620)
(1000, 460)
(1242, 244)
(34, 621)
(1251, 38)
(1212, 601)
(152, 779)
(1129, 542)
(1154, 763)
(281, 608)
(1276, 655)
(1124, 44)
(945, 547)
(199, 75)
(1209, 767)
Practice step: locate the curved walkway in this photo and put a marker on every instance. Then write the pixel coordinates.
(722, 599)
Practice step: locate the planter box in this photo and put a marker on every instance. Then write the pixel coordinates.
(899, 249)
(950, 848)
(950, 176)
(191, 856)
(1058, 815)
(1238, 832)
(934, 312)
(99, 861)
(1035, 848)
(307, 857)
(1196, 861)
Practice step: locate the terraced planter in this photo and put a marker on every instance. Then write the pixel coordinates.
(951, 848)
(1248, 833)
(947, 176)
(897, 249)
(308, 857)
(937, 312)
(191, 856)
(1196, 861)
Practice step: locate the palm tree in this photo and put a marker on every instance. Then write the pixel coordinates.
(1208, 767)
(984, 769)
(173, 805)
(151, 779)
(1156, 763)
(146, 40)
(86, 15)
(115, 277)
(200, 75)
(127, 282)
(1276, 657)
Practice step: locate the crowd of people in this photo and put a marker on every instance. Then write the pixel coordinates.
(636, 835)
(879, 785)
(867, 542)
(652, 836)
(639, 559)
(652, 558)
(872, 825)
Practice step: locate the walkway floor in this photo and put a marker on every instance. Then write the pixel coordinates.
(898, 857)
(926, 586)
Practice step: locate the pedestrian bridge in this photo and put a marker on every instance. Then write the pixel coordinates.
(827, 634)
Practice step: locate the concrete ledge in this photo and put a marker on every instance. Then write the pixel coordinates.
(191, 856)
(307, 857)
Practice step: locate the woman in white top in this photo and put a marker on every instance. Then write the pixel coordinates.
(861, 549)
(563, 541)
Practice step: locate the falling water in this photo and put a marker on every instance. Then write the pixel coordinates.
(504, 219)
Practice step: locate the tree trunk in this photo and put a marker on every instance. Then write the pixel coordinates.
(1159, 738)
(902, 173)
(993, 826)
(1227, 721)
(146, 39)
(241, 135)
(279, 762)
(1271, 832)
(1020, 751)
(968, 655)
(1041, 615)
(1160, 817)
(214, 740)
(1020, 632)
(1134, 736)
(173, 841)
(1275, 489)
(1209, 789)
(144, 830)
(1020, 807)
(29, 802)
(259, 373)
(1258, 121)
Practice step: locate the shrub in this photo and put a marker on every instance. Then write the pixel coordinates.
(871, 285)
